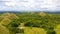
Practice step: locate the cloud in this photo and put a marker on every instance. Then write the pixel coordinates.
(9, 0)
(1, 8)
(31, 4)
(10, 4)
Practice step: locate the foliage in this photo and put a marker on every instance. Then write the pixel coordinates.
(39, 20)
(13, 26)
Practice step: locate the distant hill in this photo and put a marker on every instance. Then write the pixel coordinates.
(7, 17)
(18, 12)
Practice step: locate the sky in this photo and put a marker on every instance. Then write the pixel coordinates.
(29, 5)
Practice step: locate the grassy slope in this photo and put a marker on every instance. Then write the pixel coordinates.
(3, 30)
(34, 30)
(57, 29)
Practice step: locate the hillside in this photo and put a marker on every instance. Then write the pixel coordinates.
(32, 22)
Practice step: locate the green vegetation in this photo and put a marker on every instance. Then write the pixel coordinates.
(57, 29)
(3, 30)
(29, 23)
(34, 30)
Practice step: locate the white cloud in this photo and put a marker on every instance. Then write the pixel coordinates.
(9, 0)
(10, 3)
(1, 8)
(28, 4)
(32, 4)
(49, 4)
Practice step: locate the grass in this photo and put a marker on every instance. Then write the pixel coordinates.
(34, 30)
(5, 21)
(3, 30)
(57, 29)
(19, 33)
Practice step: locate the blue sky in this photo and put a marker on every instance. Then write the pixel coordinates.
(29, 5)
